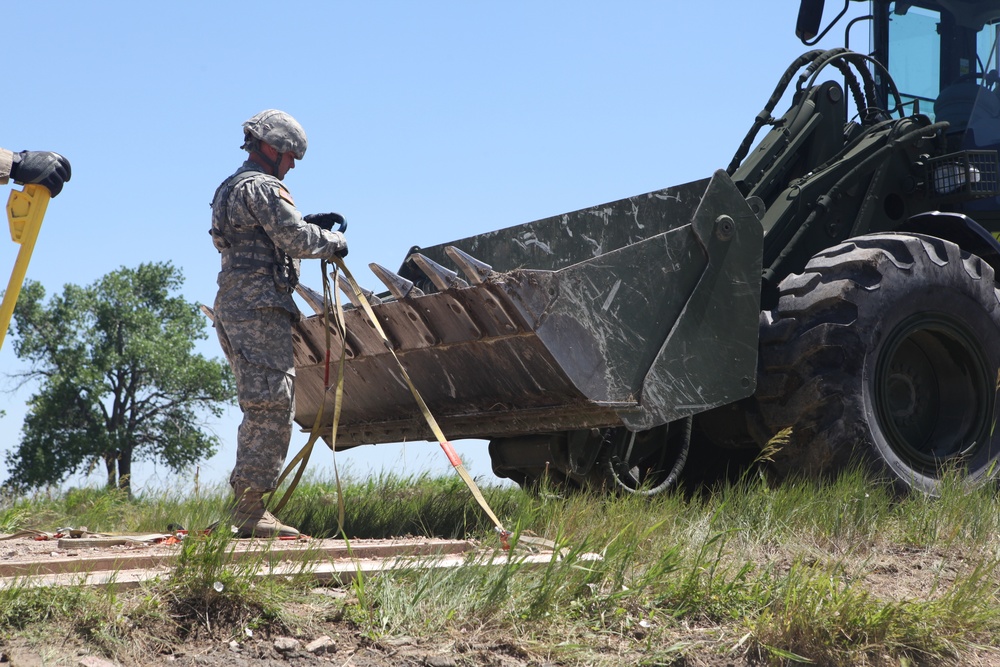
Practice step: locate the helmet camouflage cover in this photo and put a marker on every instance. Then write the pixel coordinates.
(278, 129)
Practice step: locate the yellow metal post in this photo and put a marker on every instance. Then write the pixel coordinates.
(25, 210)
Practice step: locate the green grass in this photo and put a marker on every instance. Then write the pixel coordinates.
(836, 573)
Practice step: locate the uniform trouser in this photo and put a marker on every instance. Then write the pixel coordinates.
(258, 346)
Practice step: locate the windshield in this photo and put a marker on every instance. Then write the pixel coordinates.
(914, 57)
(915, 37)
(986, 48)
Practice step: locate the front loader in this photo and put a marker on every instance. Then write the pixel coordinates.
(835, 285)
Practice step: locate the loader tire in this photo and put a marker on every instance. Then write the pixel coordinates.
(884, 350)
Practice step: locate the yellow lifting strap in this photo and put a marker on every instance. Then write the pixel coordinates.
(25, 210)
(303, 456)
(299, 462)
(449, 451)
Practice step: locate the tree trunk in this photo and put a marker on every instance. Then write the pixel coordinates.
(110, 466)
(125, 470)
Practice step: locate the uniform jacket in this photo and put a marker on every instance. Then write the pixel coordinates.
(6, 161)
(261, 236)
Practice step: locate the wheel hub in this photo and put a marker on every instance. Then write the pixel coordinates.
(930, 391)
(902, 395)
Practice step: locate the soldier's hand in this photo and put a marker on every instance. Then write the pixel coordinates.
(327, 221)
(42, 167)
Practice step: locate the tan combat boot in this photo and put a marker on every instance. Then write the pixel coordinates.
(253, 520)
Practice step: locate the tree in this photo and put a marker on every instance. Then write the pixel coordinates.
(119, 379)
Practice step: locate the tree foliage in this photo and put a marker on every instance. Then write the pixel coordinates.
(118, 378)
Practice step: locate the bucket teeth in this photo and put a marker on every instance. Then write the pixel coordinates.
(399, 286)
(311, 297)
(346, 288)
(209, 313)
(442, 277)
(476, 270)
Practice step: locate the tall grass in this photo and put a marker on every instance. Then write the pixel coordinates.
(836, 573)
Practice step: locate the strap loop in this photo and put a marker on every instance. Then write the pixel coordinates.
(302, 457)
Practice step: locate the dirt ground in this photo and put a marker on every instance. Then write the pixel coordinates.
(337, 644)
(895, 573)
(40, 557)
(38, 546)
(338, 648)
(326, 641)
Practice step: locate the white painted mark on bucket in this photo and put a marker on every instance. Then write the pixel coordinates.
(611, 296)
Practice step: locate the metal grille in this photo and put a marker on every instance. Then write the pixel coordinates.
(964, 175)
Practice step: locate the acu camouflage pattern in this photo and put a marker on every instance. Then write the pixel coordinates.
(6, 162)
(262, 364)
(257, 228)
(278, 129)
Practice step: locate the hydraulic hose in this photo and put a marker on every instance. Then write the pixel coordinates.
(825, 201)
(764, 116)
(675, 472)
(815, 61)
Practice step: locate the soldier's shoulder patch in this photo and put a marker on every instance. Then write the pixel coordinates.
(286, 195)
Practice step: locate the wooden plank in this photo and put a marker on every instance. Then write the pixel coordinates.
(272, 551)
(339, 572)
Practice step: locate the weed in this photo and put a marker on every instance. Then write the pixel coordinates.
(211, 591)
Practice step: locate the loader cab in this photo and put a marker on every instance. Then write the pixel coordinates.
(943, 58)
(944, 63)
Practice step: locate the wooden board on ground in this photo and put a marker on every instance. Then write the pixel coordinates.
(127, 561)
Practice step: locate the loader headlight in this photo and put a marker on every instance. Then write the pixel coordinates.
(948, 178)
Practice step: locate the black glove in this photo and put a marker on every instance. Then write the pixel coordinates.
(327, 221)
(43, 167)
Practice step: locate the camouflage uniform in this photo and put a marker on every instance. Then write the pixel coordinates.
(6, 162)
(261, 236)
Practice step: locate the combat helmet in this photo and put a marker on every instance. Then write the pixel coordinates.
(276, 128)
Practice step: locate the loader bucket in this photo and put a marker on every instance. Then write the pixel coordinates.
(636, 313)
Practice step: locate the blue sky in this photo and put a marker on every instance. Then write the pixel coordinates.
(427, 121)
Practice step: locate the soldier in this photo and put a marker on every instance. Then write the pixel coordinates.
(261, 236)
(42, 167)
